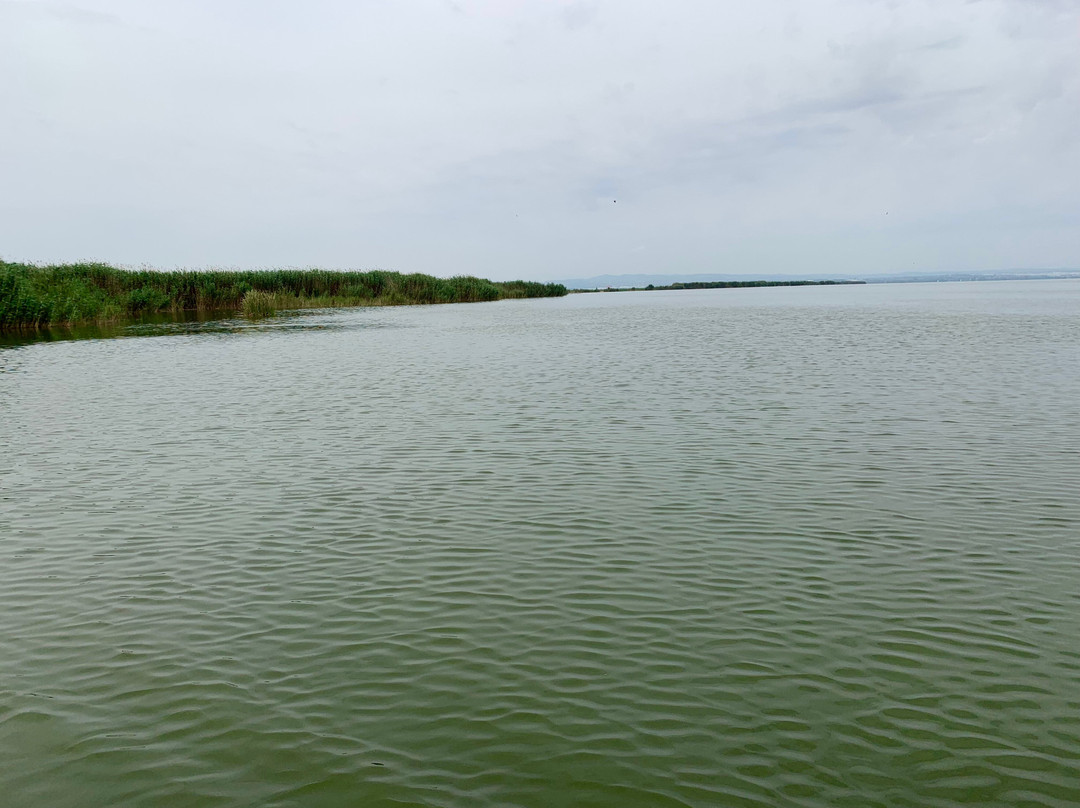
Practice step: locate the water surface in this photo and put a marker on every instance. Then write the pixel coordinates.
(763, 547)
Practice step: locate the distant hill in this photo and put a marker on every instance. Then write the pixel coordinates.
(627, 281)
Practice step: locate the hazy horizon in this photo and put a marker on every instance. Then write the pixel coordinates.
(543, 140)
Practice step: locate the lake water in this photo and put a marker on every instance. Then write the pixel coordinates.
(766, 547)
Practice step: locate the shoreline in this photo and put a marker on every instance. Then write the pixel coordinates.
(713, 285)
(64, 295)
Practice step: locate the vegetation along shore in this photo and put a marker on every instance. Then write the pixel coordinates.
(34, 296)
(714, 285)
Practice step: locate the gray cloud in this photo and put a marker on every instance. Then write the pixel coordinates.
(493, 137)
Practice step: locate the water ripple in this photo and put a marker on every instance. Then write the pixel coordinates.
(712, 550)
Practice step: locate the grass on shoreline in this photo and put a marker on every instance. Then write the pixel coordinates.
(69, 294)
(258, 304)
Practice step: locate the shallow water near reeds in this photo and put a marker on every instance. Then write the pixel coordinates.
(773, 547)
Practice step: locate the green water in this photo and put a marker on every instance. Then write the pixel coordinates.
(777, 547)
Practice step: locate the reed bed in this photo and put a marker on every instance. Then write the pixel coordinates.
(33, 296)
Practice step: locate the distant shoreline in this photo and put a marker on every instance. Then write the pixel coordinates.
(642, 281)
(714, 285)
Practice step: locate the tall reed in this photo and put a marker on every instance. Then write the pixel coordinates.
(33, 296)
(257, 304)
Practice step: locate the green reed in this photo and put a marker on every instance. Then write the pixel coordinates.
(258, 304)
(32, 296)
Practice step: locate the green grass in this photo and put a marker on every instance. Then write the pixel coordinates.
(34, 296)
(256, 304)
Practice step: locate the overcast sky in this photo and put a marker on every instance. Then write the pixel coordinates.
(508, 138)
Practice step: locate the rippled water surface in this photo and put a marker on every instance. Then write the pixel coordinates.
(774, 547)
